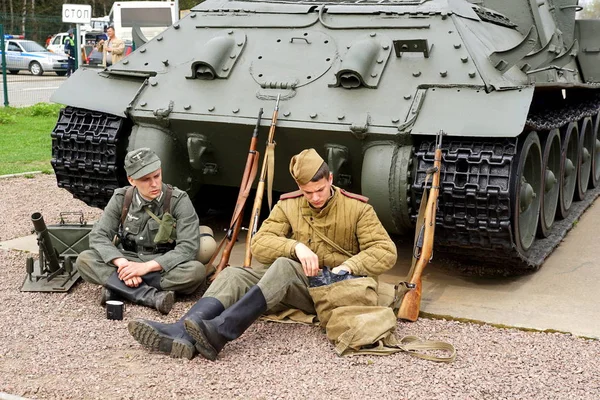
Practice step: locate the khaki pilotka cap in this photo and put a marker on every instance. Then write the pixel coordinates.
(141, 162)
(305, 165)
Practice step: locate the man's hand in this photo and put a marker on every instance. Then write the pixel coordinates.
(341, 268)
(308, 259)
(132, 269)
(133, 282)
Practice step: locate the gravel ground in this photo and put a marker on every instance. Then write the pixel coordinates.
(61, 346)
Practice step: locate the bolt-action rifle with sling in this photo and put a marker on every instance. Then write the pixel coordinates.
(268, 167)
(250, 171)
(423, 247)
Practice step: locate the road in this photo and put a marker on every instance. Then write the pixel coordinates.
(25, 89)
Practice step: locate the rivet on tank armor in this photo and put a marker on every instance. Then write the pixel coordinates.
(472, 74)
(457, 45)
(230, 33)
(374, 75)
(395, 120)
(235, 110)
(380, 61)
(187, 107)
(211, 108)
(373, 34)
(416, 74)
(225, 68)
(176, 26)
(385, 46)
(240, 43)
(154, 83)
(286, 114)
(313, 115)
(142, 50)
(407, 96)
(159, 38)
(443, 74)
(341, 117)
(166, 62)
(193, 16)
(126, 62)
(464, 59)
(232, 56)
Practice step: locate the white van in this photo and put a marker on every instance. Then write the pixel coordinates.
(152, 17)
(57, 42)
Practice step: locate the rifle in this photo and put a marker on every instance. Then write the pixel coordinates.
(267, 167)
(423, 248)
(248, 177)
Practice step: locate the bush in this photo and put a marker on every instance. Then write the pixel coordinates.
(7, 115)
(43, 110)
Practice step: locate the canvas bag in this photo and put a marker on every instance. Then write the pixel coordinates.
(356, 324)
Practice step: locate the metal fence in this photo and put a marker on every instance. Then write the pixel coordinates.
(30, 77)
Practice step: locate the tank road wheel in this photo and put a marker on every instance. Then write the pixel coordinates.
(568, 172)
(550, 185)
(595, 173)
(584, 157)
(527, 193)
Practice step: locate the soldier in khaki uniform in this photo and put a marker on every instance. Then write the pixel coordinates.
(138, 269)
(288, 242)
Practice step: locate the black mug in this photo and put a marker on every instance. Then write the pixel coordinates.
(114, 309)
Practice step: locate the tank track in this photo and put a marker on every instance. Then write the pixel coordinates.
(88, 151)
(473, 223)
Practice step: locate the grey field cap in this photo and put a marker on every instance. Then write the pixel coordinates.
(141, 162)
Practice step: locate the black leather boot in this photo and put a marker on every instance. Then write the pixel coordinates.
(105, 295)
(212, 335)
(173, 338)
(143, 294)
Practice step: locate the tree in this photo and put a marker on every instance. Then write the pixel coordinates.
(591, 10)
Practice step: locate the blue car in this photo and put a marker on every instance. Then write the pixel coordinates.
(28, 55)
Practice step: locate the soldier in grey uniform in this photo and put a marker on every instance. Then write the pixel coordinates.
(352, 239)
(139, 269)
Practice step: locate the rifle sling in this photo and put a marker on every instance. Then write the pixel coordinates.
(270, 172)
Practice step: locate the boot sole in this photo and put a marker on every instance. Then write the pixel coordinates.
(148, 336)
(166, 304)
(202, 344)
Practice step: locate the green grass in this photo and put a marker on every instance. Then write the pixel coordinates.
(25, 142)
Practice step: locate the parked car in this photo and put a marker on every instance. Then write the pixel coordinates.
(28, 55)
(94, 57)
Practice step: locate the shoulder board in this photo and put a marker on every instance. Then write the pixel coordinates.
(291, 195)
(176, 191)
(355, 196)
(121, 191)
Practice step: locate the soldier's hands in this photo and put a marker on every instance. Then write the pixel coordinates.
(308, 259)
(340, 268)
(133, 282)
(132, 270)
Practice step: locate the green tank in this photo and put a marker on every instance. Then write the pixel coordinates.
(512, 83)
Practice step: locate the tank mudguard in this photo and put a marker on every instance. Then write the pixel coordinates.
(461, 111)
(92, 90)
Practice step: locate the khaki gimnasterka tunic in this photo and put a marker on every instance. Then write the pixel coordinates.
(346, 219)
(181, 271)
